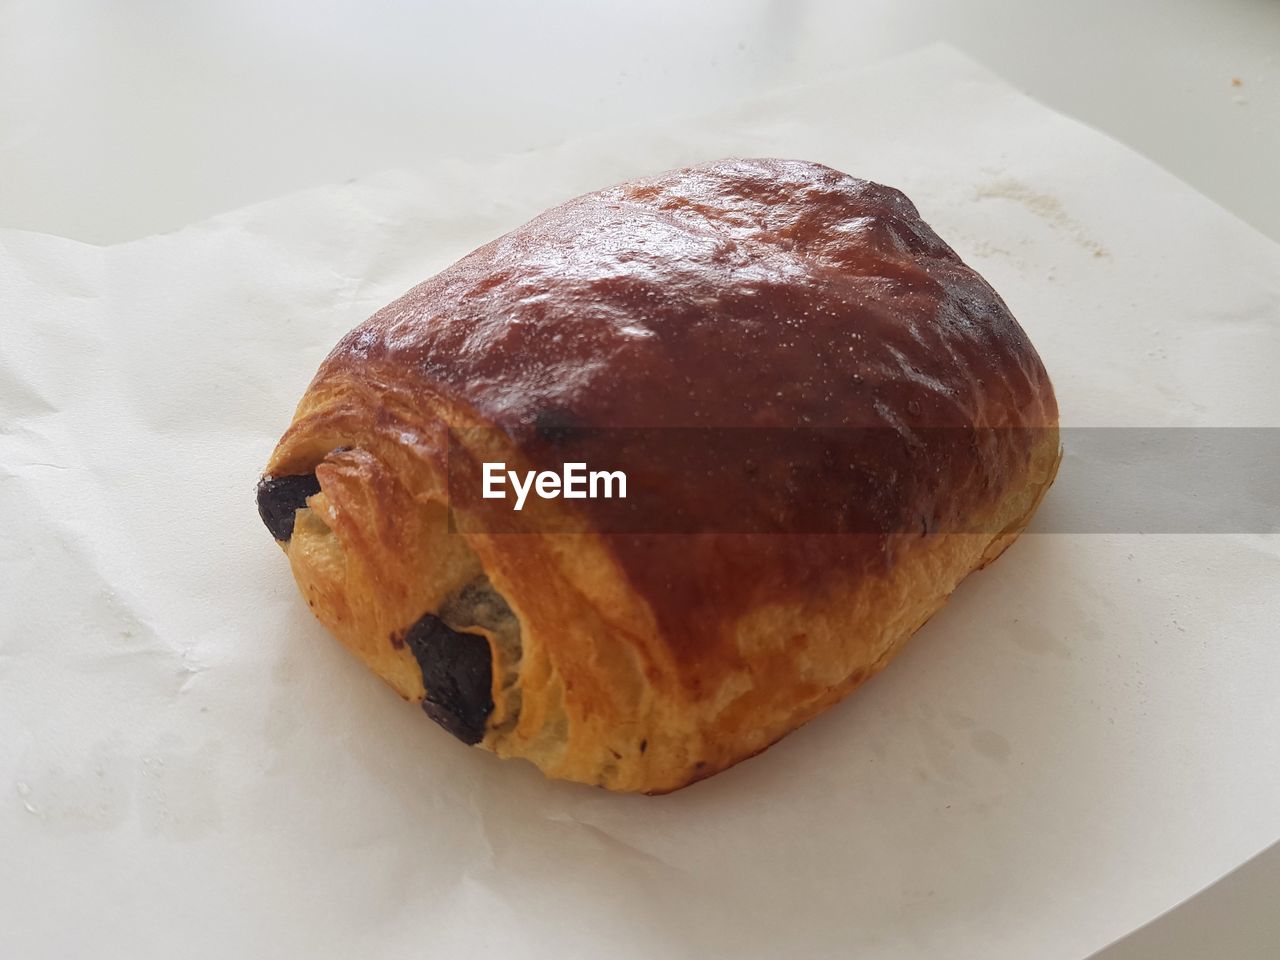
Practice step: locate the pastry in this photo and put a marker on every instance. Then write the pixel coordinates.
(644, 642)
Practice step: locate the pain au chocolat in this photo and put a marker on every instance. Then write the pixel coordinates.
(912, 431)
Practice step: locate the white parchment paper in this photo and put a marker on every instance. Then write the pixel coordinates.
(190, 767)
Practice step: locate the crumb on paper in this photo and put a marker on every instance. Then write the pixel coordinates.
(1045, 206)
(983, 248)
(1237, 82)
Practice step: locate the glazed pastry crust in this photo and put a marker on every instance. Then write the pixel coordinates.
(746, 293)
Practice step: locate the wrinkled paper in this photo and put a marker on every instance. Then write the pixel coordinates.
(190, 766)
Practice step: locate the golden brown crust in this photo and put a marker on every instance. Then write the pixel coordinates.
(742, 294)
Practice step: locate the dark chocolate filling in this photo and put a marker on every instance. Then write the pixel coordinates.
(280, 497)
(457, 671)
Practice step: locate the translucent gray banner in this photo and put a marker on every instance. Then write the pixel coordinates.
(861, 480)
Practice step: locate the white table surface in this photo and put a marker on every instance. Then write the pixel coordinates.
(119, 119)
